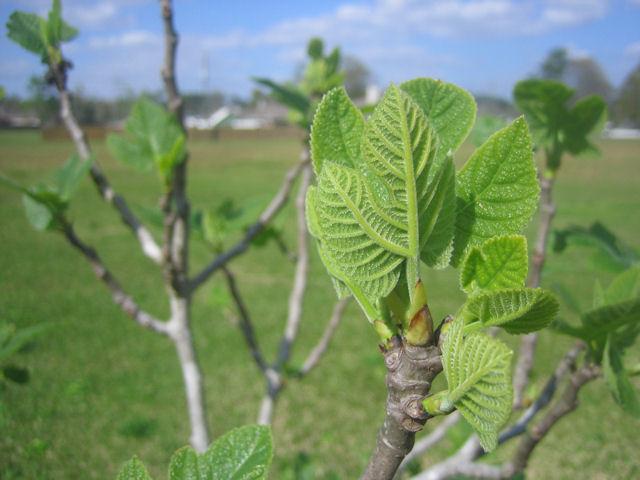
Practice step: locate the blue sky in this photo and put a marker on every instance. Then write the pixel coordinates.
(482, 45)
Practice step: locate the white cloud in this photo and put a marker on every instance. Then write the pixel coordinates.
(134, 38)
(96, 14)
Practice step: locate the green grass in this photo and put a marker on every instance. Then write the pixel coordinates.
(103, 389)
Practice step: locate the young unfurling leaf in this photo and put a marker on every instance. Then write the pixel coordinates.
(499, 263)
(478, 372)
(520, 310)
(154, 139)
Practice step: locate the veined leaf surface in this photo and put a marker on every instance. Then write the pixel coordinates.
(134, 469)
(497, 189)
(518, 311)
(478, 372)
(337, 130)
(499, 263)
(450, 109)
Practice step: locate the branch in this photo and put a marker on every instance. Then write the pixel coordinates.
(318, 351)
(432, 439)
(176, 236)
(528, 342)
(276, 204)
(124, 301)
(149, 246)
(566, 404)
(410, 371)
(301, 275)
(246, 326)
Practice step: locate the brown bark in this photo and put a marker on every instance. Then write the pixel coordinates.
(410, 371)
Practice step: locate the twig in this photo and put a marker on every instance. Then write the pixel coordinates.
(246, 325)
(528, 343)
(176, 211)
(274, 374)
(149, 246)
(301, 274)
(318, 351)
(276, 204)
(120, 298)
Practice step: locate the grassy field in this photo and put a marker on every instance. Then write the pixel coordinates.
(103, 389)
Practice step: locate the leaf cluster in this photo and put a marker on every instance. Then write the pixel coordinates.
(558, 127)
(45, 204)
(244, 453)
(42, 36)
(610, 329)
(153, 139)
(321, 74)
(388, 200)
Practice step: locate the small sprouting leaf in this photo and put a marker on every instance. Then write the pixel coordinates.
(599, 322)
(610, 253)
(39, 214)
(154, 139)
(337, 131)
(26, 30)
(69, 176)
(287, 95)
(544, 104)
(499, 263)
(623, 287)
(450, 109)
(497, 189)
(586, 118)
(244, 453)
(478, 372)
(617, 380)
(518, 311)
(134, 469)
(12, 341)
(315, 48)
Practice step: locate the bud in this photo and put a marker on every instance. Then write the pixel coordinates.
(419, 330)
(438, 404)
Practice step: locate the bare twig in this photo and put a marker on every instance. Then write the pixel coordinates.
(144, 236)
(528, 344)
(120, 298)
(175, 257)
(301, 274)
(274, 374)
(318, 351)
(246, 325)
(276, 204)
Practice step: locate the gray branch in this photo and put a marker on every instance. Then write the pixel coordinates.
(120, 298)
(246, 325)
(319, 350)
(144, 236)
(296, 298)
(276, 204)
